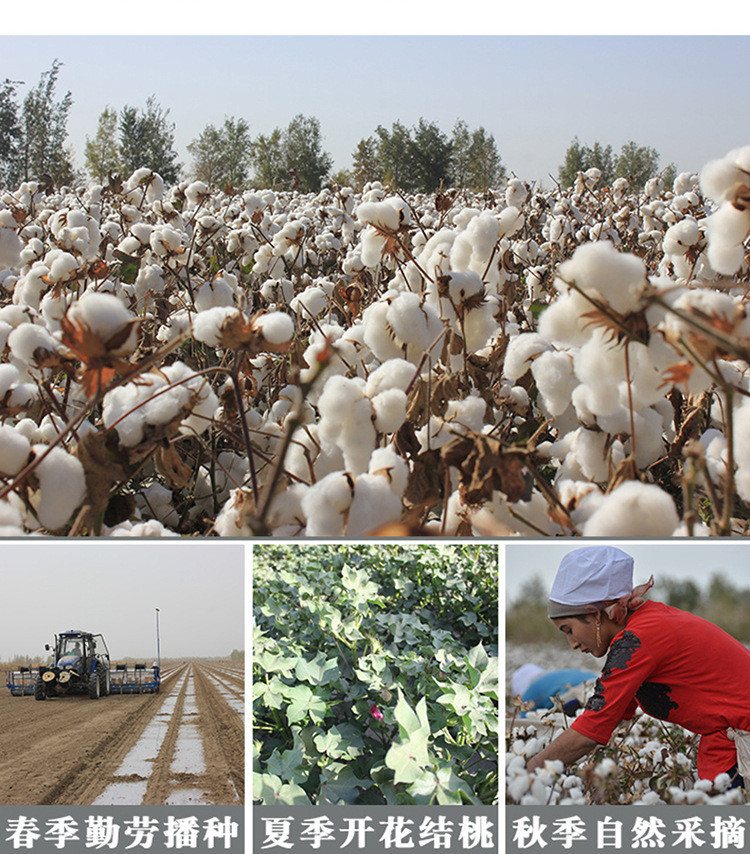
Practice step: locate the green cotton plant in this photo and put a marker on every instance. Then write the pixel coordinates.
(375, 675)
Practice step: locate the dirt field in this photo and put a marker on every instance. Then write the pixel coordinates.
(182, 745)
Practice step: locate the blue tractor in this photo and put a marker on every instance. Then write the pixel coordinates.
(80, 665)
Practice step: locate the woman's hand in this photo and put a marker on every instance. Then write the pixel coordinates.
(569, 746)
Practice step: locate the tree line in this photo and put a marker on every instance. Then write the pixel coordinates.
(422, 158)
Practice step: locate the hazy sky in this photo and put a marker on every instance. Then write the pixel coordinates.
(697, 560)
(684, 95)
(114, 589)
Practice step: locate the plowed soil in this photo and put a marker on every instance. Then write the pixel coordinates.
(67, 750)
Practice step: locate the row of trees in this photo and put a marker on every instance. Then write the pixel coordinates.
(421, 158)
(635, 162)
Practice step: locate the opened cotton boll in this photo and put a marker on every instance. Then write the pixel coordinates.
(61, 486)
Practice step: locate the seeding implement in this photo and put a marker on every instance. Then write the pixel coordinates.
(81, 665)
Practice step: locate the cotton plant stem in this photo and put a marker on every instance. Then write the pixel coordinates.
(725, 528)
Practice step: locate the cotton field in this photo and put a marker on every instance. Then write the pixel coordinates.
(646, 762)
(179, 361)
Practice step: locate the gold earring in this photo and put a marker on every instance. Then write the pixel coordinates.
(598, 634)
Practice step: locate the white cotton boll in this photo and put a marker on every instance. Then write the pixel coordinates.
(326, 502)
(393, 373)
(378, 334)
(681, 236)
(469, 412)
(196, 192)
(390, 410)
(510, 221)
(10, 243)
(158, 501)
(720, 178)
(63, 266)
(9, 377)
(11, 524)
(105, 316)
(555, 379)
(742, 449)
(387, 463)
(726, 231)
(464, 286)
(62, 487)
(203, 401)
(600, 270)
(374, 504)
(207, 324)
(480, 326)
(414, 322)
(14, 450)
(149, 281)
(120, 408)
(32, 344)
(218, 291)
(346, 420)
(634, 509)
(515, 193)
(715, 446)
(312, 302)
(725, 258)
(520, 354)
(518, 787)
(563, 323)
(276, 327)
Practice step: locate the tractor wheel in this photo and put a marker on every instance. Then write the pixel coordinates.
(104, 682)
(94, 685)
(39, 689)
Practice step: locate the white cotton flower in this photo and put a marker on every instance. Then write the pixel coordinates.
(634, 509)
(61, 486)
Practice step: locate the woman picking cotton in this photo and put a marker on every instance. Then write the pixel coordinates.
(676, 666)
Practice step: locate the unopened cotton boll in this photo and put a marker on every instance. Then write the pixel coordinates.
(634, 509)
(61, 486)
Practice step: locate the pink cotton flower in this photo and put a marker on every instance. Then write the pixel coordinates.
(376, 713)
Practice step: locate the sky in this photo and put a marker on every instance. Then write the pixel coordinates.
(684, 95)
(696, 561)
(114, 589)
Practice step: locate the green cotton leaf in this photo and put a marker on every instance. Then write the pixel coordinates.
(285, 764)
(270, 662)
(340, 742)
(319, 671)
(408, 758)
(340, 785)
(410, 721)
(442, 786)
(127, 270)
(304, 703)
(460, 700)
(271, 694)
(478, 657)
(270, 791)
